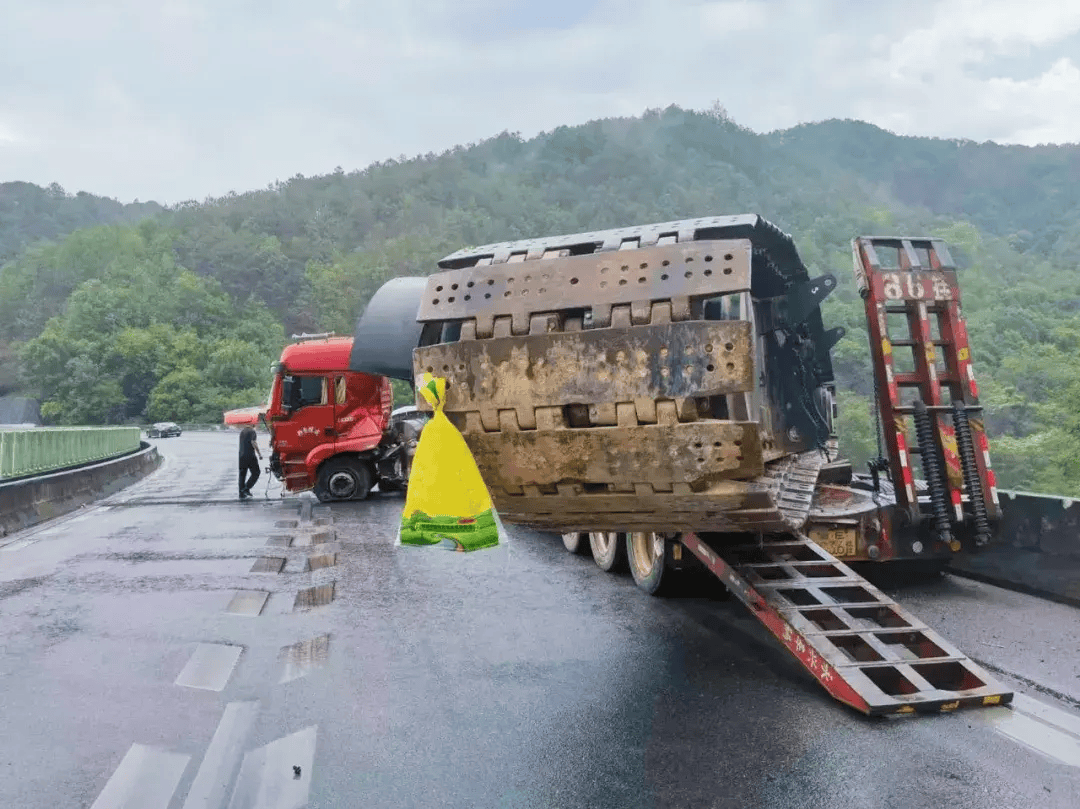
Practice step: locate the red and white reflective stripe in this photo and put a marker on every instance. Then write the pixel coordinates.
(957, 504)
(971, 381)
(890, 382)
(991, 478)
(909, 487)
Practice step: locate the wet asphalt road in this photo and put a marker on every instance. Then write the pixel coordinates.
(144, 664)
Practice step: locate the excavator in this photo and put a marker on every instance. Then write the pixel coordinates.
(663, 397)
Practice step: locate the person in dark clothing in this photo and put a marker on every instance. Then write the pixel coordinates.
(249, 450)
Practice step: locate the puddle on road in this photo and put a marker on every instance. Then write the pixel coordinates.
(314, 597)
(248, 602)
(268, 564)
(210, 666)
(305, 540)
(302, 658)
(320, 561)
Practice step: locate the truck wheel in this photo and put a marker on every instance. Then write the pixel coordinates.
(646, 552)
(577, 542)
(608, 550)
(343, 479)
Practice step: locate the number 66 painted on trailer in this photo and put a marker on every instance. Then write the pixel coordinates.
(915, 286)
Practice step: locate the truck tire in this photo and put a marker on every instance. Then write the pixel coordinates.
(608, 550)
(577, 542)
(343, 479)
(646, 553)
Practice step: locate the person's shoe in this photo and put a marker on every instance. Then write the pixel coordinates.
(244, 494)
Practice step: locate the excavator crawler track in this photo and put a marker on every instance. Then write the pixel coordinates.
(616, 380)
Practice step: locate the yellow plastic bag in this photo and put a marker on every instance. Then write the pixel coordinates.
(447, 500)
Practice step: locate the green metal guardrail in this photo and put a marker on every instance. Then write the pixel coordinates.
(46, 449)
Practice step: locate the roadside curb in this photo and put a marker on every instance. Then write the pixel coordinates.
(27, 502)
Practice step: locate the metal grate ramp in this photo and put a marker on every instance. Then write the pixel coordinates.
(865, 649)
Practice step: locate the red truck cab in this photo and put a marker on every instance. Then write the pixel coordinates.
(330, 427)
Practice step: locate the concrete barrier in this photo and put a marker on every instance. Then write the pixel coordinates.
(29, 501)
(1037, 548)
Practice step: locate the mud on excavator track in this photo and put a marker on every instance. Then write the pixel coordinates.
(673, 379)
(617, 381)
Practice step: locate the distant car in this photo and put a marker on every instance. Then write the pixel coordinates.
(163, 429)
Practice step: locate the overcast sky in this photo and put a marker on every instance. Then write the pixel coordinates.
(183, 99)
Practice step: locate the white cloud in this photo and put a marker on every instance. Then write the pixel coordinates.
(189, 98)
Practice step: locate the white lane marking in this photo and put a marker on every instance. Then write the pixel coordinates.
(211, 785)
(268, 779)
(1062, 720)
(146, 779)
(248, 602)
(210, 666)
(1044, 728)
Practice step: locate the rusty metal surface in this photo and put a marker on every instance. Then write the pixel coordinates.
(693, 453)
(695, 269)
(699, 358)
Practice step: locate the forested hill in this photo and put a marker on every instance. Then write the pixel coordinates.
(180, 315)
(1031, 196)
(29, 214)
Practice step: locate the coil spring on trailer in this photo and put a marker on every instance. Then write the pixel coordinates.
(966, 448)
(924, 431)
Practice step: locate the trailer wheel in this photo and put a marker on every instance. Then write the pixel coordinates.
(647, 553)
(577, 542)
(608, 550)
(343, 479)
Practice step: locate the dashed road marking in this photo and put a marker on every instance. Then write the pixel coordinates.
(248, 602)
(1051, 731)
(268, 564)
(145, 779)
(277, 776)
(211, 784)
(210, 666)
